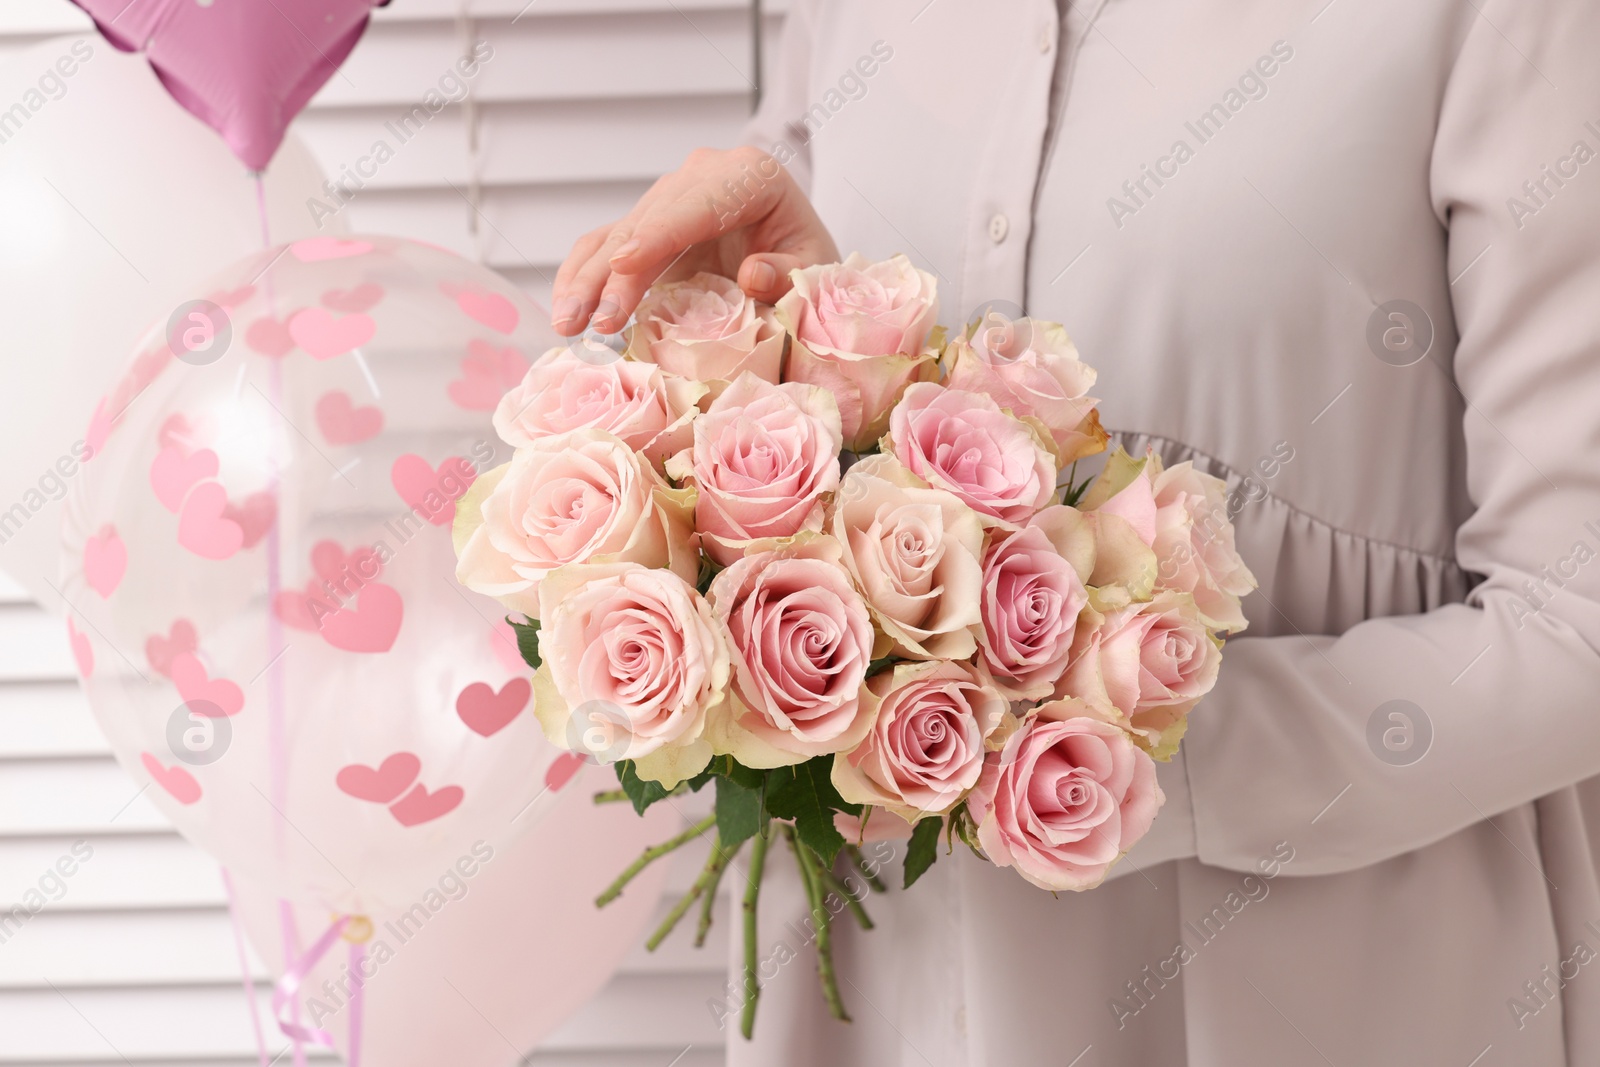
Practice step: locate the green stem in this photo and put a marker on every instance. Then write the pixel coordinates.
(810, 875)
(860, 863)
(838, 889)
(708, 900)
(610, 798)
(685, 902)
(648, 856)
(752, 987)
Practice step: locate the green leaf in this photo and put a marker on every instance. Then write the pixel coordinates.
(805, 794)
(878, 666)
(641, 792)
(923, 849)
(738, 813)
(527, 640)
(708, 571)
(1074, 492)
(731, 768)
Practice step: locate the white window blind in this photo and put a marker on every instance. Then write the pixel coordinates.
(581, 105)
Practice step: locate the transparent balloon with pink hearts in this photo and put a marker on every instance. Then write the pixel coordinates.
(260, 581)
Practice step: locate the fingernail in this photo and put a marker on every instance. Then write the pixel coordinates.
(567, 309)
(763, 277)
(626, 250)
(607, 311)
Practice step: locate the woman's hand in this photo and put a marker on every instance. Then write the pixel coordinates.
(735, 213)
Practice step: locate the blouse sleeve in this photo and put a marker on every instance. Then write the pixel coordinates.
(1509, 680)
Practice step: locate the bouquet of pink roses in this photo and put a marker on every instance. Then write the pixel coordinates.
(837, 566)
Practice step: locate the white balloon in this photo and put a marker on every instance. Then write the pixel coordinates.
(496, 957)
(113, 201)
(263, 542)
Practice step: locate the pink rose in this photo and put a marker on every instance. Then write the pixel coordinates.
(963, 443)
(582, 498)
(925, 749)
(1065, 798)
(863, 331)
(914, 554)
(1120, 508)
(1032, 596)
(1194, 545)
(633, 660)
(802, 641)
(1032, 369)
(705, 328)
(763, 456)
(562, 392)
(1146, 663)
(1125, 488)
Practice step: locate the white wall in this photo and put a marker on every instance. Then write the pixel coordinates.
(583, 104)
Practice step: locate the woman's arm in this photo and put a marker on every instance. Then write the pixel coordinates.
(1510, 680)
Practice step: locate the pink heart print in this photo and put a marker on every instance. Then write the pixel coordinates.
(213, 698)
(487, 373)
(323, 336)
(82, 650)
(254, 516)
(304, 611)
(381, 784)
(487, 712)
(270, 337)
(424, 488)
(105, 561)
(562, 770)
(177, 432)
(490, 309)
(420, 806)
(175, 469)
(370, 624)
(204, 527)
(361, 298)
(314, 249)
(161, 649)
(179, 783)
(339, 568)
(342, 423)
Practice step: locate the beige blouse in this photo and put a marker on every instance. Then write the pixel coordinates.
(1346, 255)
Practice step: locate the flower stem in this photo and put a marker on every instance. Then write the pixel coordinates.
(860, 863)
(611, 797)
(832, 885)
(708, 900)
(752, 987)
(712, 870)
(811, 876)
(649, 855)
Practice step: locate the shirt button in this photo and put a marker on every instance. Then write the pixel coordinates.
(1047, 40)
(998, 228)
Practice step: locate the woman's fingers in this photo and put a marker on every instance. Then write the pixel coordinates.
(725, 204)
(765, 277)
(585, 293)
(718, 194)
(569, 309)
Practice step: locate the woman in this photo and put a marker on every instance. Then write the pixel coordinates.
(1345, 255)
